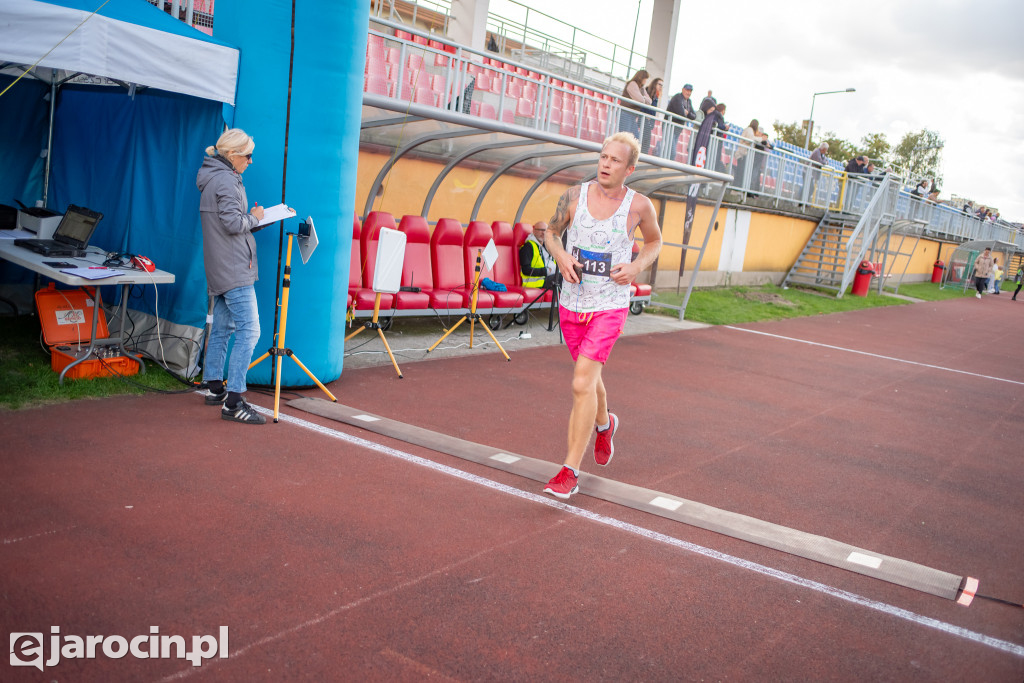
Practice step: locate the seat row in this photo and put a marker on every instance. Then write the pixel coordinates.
(439, 269)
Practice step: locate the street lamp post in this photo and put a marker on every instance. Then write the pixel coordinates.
(810, 121)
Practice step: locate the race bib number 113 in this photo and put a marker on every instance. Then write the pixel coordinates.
(597, 263)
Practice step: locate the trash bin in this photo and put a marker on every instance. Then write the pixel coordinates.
(862, 280)
(937, 271)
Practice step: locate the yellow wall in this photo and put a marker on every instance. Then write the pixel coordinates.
(921, 263)
(775, 242)
(406, 187)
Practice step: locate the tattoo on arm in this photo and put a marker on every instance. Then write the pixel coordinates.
(560, 221)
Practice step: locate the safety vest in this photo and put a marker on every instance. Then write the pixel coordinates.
(536, 265)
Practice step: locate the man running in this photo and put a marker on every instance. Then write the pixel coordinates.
(598, 219)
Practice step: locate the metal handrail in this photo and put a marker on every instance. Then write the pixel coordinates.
(882, 204)
(521, 31)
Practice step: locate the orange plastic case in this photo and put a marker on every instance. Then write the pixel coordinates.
(66, 318)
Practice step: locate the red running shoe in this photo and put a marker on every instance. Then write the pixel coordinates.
(563, 484)
(603, 447)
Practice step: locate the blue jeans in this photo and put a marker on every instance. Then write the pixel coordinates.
(234, 312)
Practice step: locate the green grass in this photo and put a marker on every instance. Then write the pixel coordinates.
(26, 379)
(926, 291)
(734, 305)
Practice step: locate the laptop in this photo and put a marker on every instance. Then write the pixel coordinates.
(71, 237)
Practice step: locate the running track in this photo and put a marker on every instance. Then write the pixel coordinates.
(335, 554)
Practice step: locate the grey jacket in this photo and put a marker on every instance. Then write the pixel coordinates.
(229, 249)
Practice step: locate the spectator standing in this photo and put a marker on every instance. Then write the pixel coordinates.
(634, 97)
(996, 279)
(744, 146)
(763, 145)
(707, 104)
(1019, 280)
(654, 91)
(702, 148)
(819, 156)
(681, 106)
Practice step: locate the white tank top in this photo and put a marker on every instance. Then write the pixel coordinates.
(598, 245)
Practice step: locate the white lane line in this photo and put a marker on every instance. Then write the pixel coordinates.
(9, 541)
(874, 355)
(839, 593)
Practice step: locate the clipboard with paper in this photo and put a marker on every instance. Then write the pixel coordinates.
(272, 214)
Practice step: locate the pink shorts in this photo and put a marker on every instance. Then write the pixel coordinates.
(592, 335)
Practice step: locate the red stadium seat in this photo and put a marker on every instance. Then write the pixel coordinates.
(371, 231)
(478, 234)
(487, 111)
(415, 62)
(425, 96)
(446, 265)
(355, 270)
(378, 86)
(416, 269)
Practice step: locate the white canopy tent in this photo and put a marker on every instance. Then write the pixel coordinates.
(125, 42)
(129, 41)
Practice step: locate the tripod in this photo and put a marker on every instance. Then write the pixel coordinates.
(280, 349)
(553, 284)
(375, 325)
(473, 316)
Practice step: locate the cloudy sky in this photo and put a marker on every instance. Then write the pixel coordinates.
(952, 66)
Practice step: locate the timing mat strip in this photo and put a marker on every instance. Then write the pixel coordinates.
(799, 543)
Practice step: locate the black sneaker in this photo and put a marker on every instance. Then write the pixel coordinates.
(213, 399)
(243, 412)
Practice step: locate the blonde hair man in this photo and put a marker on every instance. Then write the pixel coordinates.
(598, 219)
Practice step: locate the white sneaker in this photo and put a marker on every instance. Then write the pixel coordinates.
(978, 295)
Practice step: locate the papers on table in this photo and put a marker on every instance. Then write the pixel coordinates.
(92, 272)
(17, 234)
(272, 214)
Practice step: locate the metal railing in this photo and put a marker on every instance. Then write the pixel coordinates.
(882, 206)
(195, 13)
(541, 45)
(388, 9)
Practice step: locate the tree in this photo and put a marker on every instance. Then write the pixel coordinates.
(919, 155)
(796, 133)
(876, 147)
(793, 133)
(838, 148)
